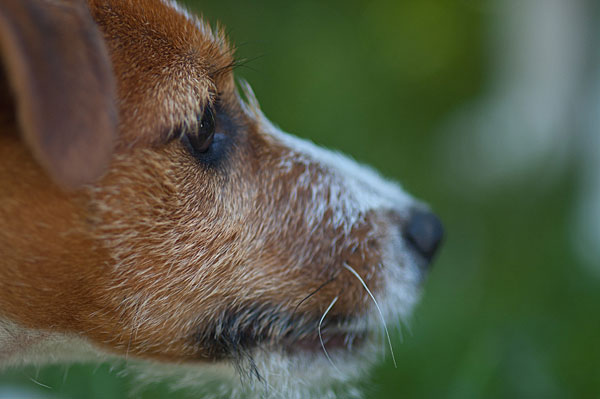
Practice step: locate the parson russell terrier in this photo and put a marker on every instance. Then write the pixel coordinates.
(150, 212)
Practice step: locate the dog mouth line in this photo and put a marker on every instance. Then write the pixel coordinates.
(329, 341)
(235, 335)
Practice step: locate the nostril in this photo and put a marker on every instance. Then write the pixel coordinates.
(424, 232)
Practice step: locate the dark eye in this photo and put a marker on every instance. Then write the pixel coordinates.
(201, 139)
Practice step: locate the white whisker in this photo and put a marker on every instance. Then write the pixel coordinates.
(351, 270)
(35, 381)
(321, 337)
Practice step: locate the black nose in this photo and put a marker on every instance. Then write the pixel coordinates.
(424, 232)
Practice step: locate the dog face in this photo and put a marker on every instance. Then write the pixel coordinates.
(212, 240)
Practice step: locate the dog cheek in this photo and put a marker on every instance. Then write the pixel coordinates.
(177, 252)
(187, 244)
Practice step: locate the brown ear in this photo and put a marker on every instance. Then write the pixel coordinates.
(57, 65)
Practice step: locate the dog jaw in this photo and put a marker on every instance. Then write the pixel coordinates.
(275, 259)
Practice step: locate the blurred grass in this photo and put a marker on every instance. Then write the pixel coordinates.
(508, 312)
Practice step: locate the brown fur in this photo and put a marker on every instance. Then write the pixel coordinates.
(141, 261)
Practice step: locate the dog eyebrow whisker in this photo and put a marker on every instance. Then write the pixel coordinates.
(351, 270)
(321, 336)
(234, 64)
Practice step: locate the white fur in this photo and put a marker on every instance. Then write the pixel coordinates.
(299, 376)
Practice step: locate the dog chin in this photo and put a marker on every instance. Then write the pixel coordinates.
(278, 373)
(331, 368)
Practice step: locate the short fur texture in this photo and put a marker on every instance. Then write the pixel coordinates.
(249, 260)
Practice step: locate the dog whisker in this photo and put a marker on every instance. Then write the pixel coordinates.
(351, 270)
(312, 293)
(35, 381)
(321, 336)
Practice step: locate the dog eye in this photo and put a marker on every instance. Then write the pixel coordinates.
(201, 139)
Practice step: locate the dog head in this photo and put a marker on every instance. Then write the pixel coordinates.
(152, 211)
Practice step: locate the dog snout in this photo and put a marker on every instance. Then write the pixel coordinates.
(424, 233)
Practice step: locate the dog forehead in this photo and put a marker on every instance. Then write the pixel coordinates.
(167, 62)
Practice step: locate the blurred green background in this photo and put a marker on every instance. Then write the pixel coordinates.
(509, 311)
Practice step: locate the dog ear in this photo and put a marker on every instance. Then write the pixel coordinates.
(63, 87)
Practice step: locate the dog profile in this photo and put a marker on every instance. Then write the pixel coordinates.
(149, 211)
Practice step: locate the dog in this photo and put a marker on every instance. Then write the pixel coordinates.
(151, 212)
